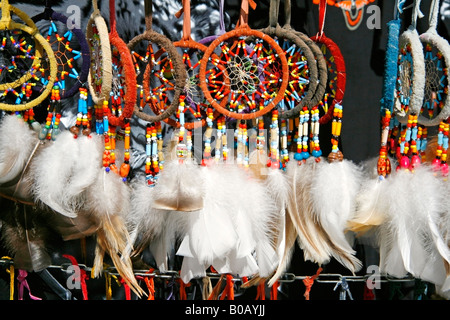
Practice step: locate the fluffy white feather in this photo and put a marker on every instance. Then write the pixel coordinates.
(174, 230)
(211, 230)
(368, 212)
(143, 221)
(179, 187)
(279, 188)
(17, 142)
(311, 237)
(333, 192)
(234, 231)
(52, 171)
(413, 204)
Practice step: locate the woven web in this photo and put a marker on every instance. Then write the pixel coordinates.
(67, 55)
(298, 80)
(436, 82)
(17, 53)
(332, 72)
(96, 59)
(162, 76)
(252, 70)
(118, 80)
(404, 77)
(196, 102)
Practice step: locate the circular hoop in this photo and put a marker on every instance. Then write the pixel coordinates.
(390, 65)
(340, 71)
(411, 52)
(243, 32)
(288, 35)
(7, 23)
(321, 68)
(185, 44)
(125, 59)
(41, 44)
(443, 47)
(98, 96)
(81, 77)
(179, 70)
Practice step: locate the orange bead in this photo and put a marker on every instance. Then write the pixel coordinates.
(113, 168)
(124, 170)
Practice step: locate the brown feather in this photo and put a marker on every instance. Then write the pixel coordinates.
(112, 239)
(285, 259)
(25, 236)
(84, 225)
(312, 239)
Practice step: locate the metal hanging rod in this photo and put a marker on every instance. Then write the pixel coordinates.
(285, 278)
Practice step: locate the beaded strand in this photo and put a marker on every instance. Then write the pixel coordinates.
(440, 161)
(50, 129)
(384, 165)
(82, 120)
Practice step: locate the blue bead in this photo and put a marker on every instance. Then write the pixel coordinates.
(317, 153)
(298, 156)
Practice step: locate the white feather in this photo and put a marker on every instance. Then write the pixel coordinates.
(368, 212)
(174, 229)
(17, 142)
(279, 188)
(143, 220)
(311, 238)
(235, 223)
(413, 205)
(211, 229)
(333, 191)
(179, 187)
(52, 171)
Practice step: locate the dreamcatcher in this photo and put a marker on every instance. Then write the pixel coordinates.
(407, 230)
(192, 52)
(303, 74)
(24, 52)
(321, 63)
(411, 71)
(436, 57)
(368, 216)
(315, 220)
(164, 76)
(113, 115)
(100, 71)
(123, 91)
(257, 71)
(336, 83)
(71, 50)
(192, 102)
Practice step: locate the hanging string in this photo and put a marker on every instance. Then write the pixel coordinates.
(344, 289)
(23, 284)
(309, 281)
(260, 291)
(83, 275)
(274, 291)
(228, 291)
(10, 270)
(368, 293)
(182, 290)
(126, 288)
